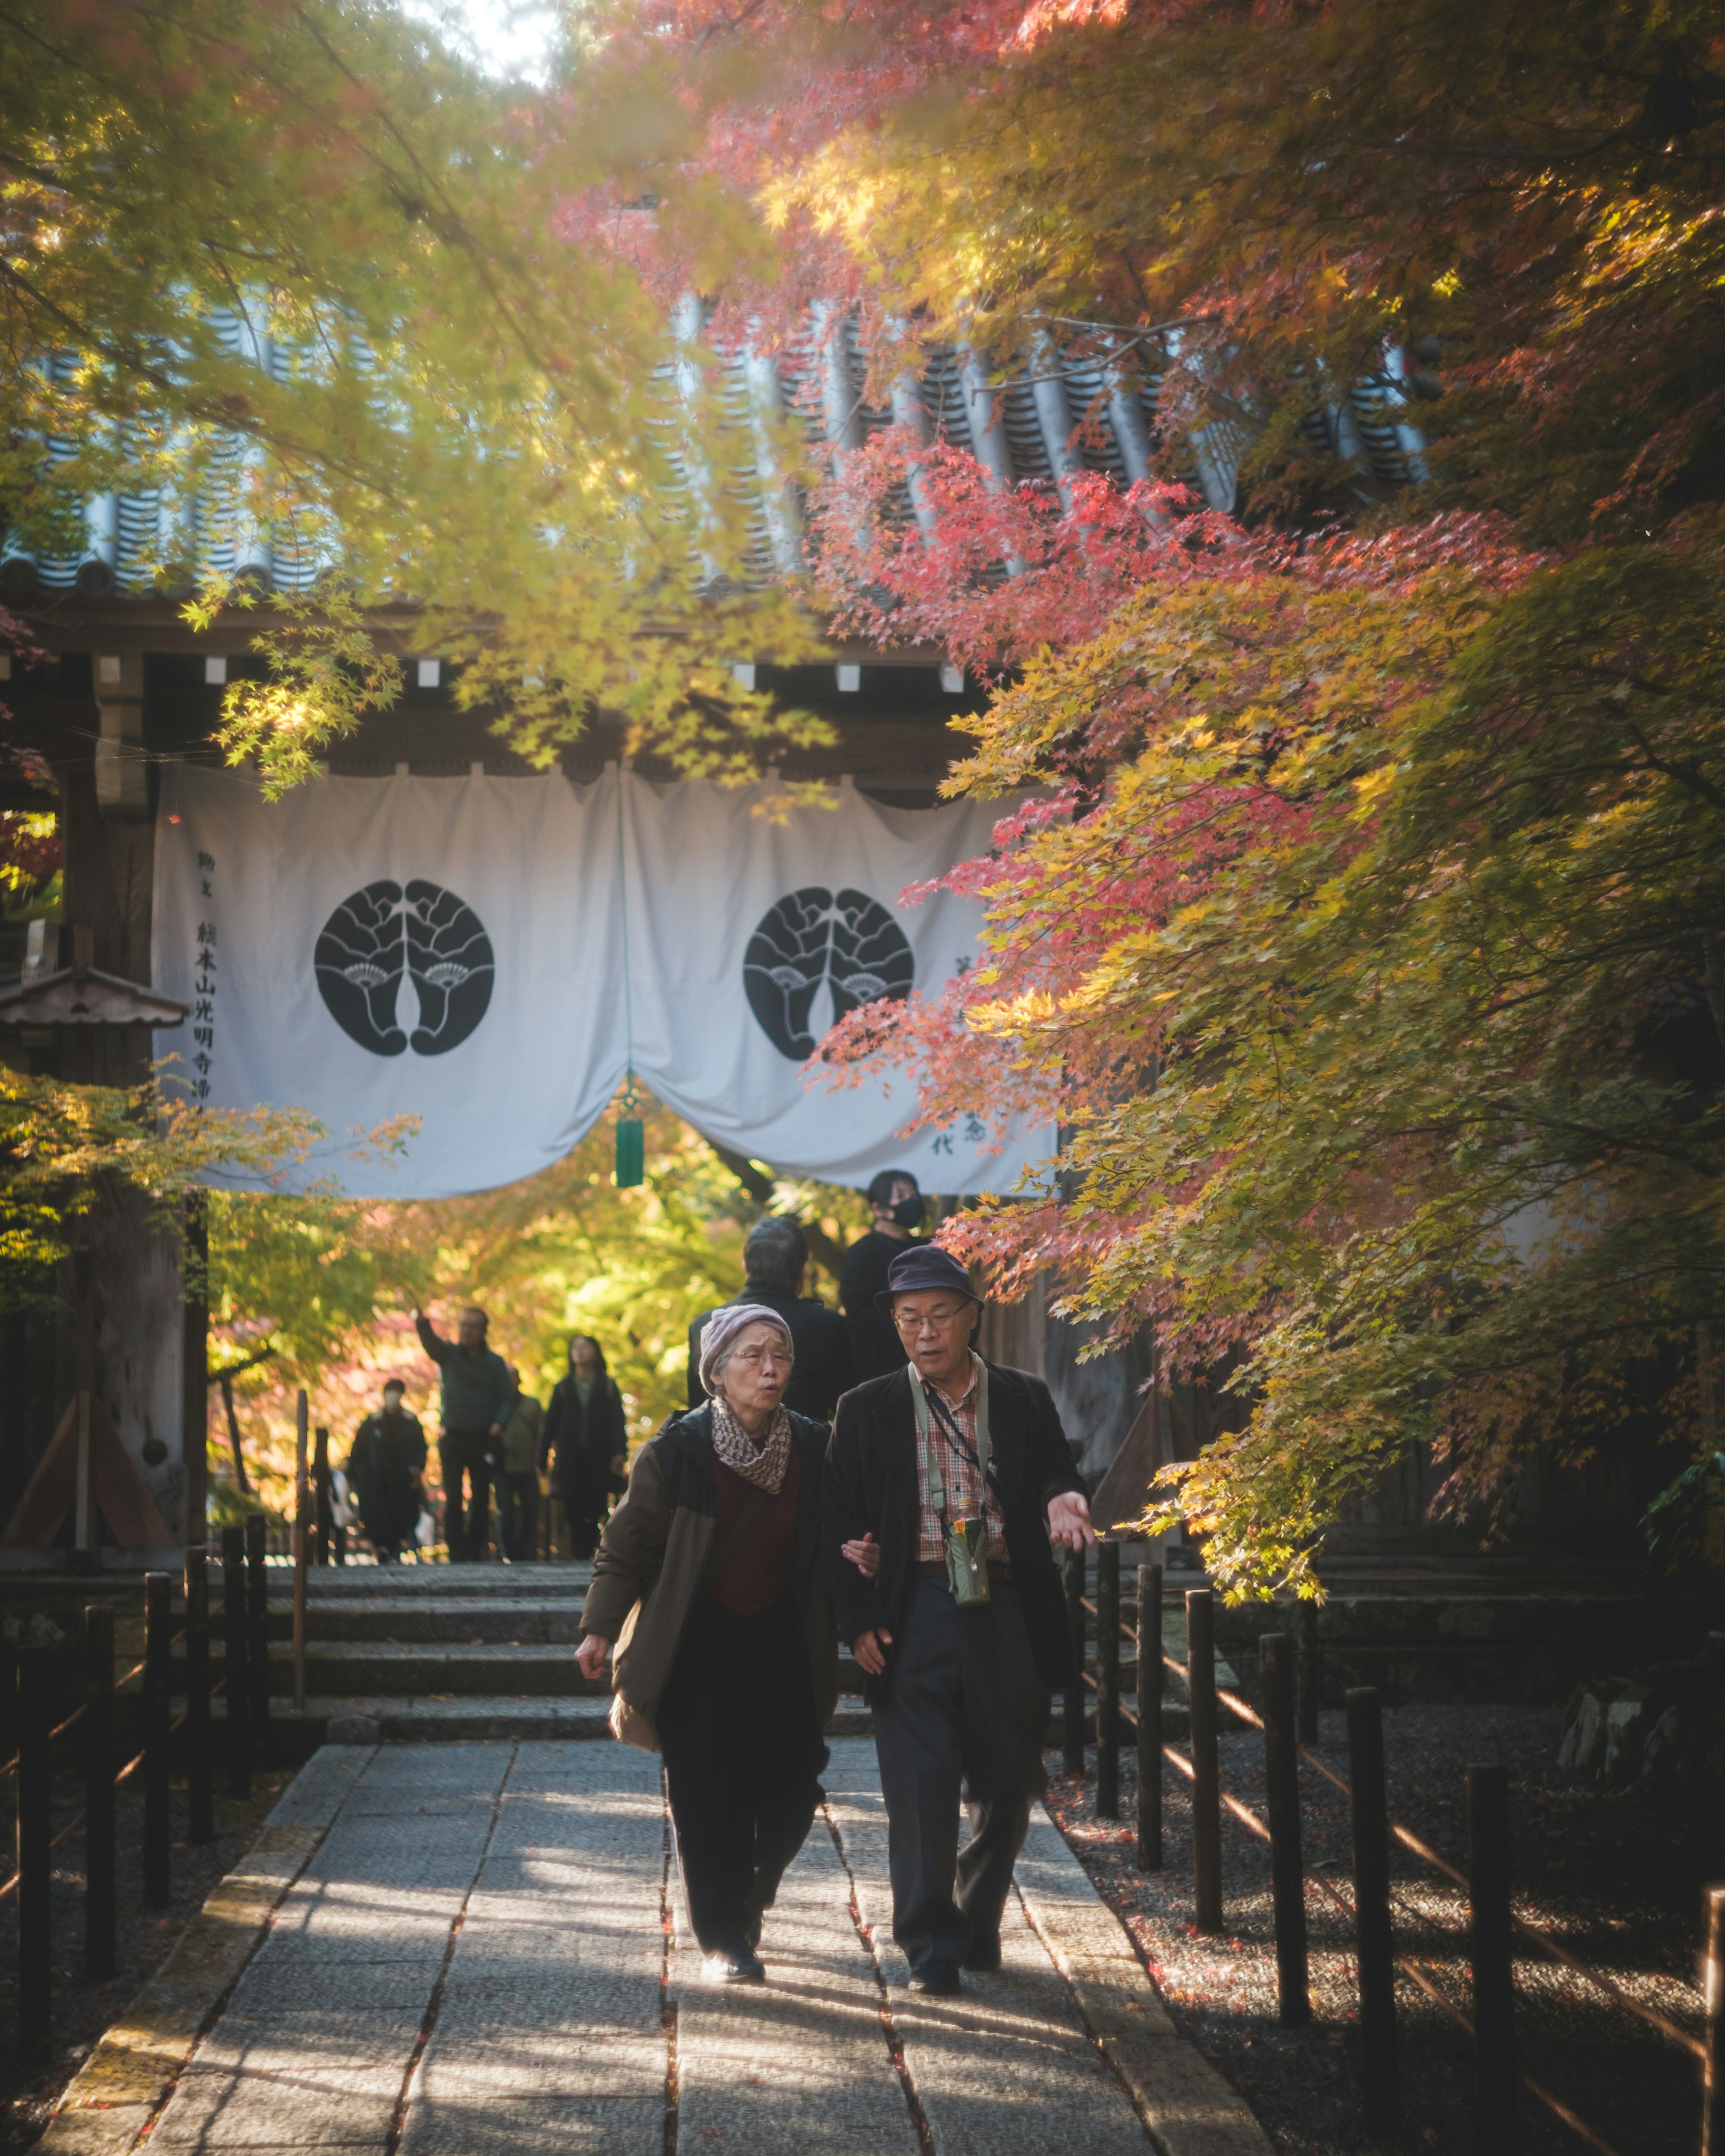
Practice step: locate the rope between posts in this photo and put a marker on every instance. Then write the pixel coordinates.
(78, 1713)
(1523, 1930)
(1250, 1819)
(1464, 2020)
(131, 1766)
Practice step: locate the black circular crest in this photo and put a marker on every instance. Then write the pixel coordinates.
(383, 933)
(851, 942)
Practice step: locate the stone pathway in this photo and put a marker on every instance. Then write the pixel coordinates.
(484, 1951)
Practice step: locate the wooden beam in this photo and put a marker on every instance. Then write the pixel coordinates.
(51, 1491)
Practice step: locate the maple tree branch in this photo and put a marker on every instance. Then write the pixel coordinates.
(225, 1372)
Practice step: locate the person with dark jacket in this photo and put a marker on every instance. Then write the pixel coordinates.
(709, 1582)
(960, 1688)
(875, 1348)
(383, 1468)
(477, 1398)
(584, 1442)
(775, 1256)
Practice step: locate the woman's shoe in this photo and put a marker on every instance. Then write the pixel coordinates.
(938, 1978)
(737, 1963)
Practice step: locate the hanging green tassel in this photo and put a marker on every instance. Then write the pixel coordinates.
(631, 1141)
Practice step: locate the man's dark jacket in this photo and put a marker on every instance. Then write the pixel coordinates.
(477, 1389)
(578, 1443)
(871, 1488)
(823, 1369)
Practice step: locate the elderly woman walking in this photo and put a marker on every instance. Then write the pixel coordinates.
(708, 1581)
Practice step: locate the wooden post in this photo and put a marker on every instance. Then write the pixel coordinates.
(1312, 1671)
(98, 1748)
(300, 1507)
(1287, 1872)
(236, 1688)
(1206, 1766)
(1494, 1989)
(1150, 1688)
(8, 1699)
(158, 1679)
(257, 1632)
(1108, 1679)
(200, 1790)
(323, 1510)
(194, 1365)
(1713, 2078)
(1074, 1761)
(35, 1862)
(84, 1510)
(1373, 1945)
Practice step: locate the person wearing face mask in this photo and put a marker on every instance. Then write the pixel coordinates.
(383, 1470)
(875, 1348)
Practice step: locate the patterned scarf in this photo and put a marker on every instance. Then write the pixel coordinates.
(764, 1463)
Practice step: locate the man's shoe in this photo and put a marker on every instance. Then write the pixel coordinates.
(738, 1964)
(938, 1978)
(984, 1958)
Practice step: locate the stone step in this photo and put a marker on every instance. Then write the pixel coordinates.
(372, 1718)
(428, 1670)
(421, 1670)
(476, 1717)
(462, 1620)
(359, 1583)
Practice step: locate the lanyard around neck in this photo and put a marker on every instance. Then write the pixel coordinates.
(936, 1488)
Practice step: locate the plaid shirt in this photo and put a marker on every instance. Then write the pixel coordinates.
(965, 1493)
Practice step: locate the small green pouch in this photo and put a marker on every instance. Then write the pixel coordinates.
(967, 1541)
(968, 1560)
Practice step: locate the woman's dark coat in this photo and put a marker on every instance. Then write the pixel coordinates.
(872, 1488)
(583, 1442)
(654, 1555)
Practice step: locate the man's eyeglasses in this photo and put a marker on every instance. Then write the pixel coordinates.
(942, 1316)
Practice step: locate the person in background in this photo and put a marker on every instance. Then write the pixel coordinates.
(384, 1470)
(518, 1478)
(775, 1256)
(584, 1442)
(477, 1399)
(875, 1348)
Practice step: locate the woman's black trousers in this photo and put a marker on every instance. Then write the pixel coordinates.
(742, 1756)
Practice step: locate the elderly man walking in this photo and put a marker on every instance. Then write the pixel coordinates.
(477, 1399)
(957, 1473)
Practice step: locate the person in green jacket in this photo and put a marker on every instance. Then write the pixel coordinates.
(518, 1478)
(477, 1399)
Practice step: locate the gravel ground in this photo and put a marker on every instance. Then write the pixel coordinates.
(144, 1938)
(1616, 1879)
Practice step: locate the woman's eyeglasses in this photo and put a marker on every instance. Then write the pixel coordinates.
(760, 1358)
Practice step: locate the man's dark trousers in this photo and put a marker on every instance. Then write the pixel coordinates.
(468, 1532)
(963, 1703)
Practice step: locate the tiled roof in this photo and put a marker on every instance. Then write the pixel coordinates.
(1074, 411)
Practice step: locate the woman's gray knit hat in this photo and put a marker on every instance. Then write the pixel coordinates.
(722, 1327)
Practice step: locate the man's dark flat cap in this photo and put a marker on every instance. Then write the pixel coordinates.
(923, 1266)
